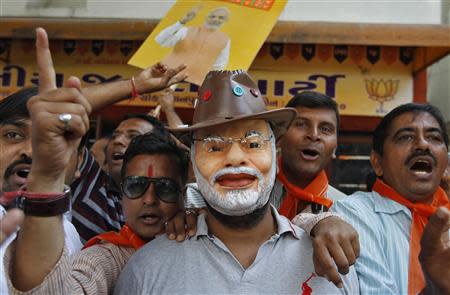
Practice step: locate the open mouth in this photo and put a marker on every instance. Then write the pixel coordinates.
(17, 176)
(150, 219)
(310, 154)
(23, 173)
(241, 180)
(117, 156)
(422, 167)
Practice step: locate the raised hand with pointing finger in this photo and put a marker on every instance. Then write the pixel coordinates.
(59, 120)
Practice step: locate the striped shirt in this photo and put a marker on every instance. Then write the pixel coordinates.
(96, 202)
(71, 238)
(92, 271)
(384, 232)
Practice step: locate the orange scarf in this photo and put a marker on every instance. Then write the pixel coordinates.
(125, 238)
(420, 214)
(315, 192)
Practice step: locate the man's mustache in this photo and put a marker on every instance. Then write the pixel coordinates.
(420, 153)
(10, 170)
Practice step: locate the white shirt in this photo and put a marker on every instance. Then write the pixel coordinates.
(72, 240)
(171, 35)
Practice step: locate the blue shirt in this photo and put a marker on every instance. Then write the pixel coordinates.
(384, 232)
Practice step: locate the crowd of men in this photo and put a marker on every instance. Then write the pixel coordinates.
(259, 215)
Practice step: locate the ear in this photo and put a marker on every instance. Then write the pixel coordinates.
(375, 161)
(333, 155)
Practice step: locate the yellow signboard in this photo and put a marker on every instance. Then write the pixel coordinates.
(210, 35)
(364, 80)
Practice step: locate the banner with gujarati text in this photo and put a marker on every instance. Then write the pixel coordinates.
(364, 80)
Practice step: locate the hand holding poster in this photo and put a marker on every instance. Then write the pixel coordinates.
(210, 35)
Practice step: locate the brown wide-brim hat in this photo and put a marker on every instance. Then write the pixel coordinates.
(228, 96)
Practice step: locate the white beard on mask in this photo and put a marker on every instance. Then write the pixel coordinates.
(242, 201)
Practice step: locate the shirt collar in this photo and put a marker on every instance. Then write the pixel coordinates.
(202, 227)
(388, 206)
(284, 225)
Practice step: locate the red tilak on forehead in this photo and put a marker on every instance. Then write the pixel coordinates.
(150, 171)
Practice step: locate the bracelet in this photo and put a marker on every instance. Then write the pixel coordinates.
(134, 92)
(189, 211)
(40, 204)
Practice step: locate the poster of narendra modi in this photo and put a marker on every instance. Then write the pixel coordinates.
(209, 35)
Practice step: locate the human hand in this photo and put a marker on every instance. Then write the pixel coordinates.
(9, 223)
(182, 225)
(156, 112)
(166, 100)
(158, 77)
(435, 250)
(54, 141)
(334, 242)
(191, 14)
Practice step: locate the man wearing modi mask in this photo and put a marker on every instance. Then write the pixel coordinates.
(242, 243)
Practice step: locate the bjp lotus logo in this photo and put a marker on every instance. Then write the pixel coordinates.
(381, 91)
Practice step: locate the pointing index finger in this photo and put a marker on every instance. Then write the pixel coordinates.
(47, 79)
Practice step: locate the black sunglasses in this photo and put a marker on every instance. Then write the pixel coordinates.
(166, 189)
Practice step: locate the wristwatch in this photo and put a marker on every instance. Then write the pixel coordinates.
(44, 205)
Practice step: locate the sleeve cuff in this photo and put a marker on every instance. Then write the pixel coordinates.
(307, 221)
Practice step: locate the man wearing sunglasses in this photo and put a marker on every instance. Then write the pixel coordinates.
(59, 118)
(242, 243)
(154, 170)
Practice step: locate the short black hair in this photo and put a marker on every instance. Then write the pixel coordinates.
(156, 144)
(381, 131)
(14, 106)
(314, 100)
(158, 126)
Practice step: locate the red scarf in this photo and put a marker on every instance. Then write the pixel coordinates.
(420, 214)
(315, 192)
(125, 238)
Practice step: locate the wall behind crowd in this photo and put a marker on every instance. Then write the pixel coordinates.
(439, 76)
(369, 11)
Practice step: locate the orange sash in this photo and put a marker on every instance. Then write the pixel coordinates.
(126, 238)
(315, 192)
(420, 214)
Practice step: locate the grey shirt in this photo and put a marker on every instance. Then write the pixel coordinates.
(204, 265)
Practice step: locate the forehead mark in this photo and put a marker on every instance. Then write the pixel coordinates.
(150, 171)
